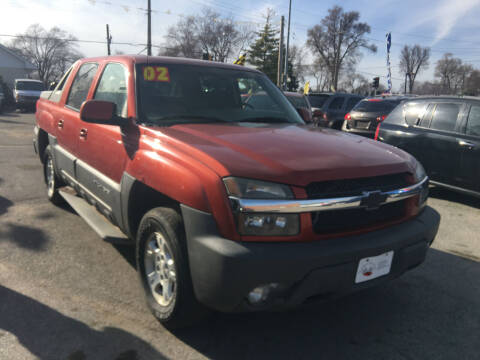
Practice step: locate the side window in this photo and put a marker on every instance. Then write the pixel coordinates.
(113, 87)
(396, 116)
(414, 111)
(57, 92)
(81, 85)
(473, 123)
(445, 117)
(351, 103)
(336, 103)
(425, 122)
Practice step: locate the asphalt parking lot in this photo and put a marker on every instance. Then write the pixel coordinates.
(66, 294)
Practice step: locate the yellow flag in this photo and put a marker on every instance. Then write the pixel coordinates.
(306, 88)
(332, 88)
(240, 60)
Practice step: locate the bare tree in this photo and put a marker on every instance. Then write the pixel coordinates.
(446, 70)
(354, 83)
(52, 51)
(246, 35)
(452, 73)
(338, 39)
(218, 37)
(461, 76)
(413, 59)
(472, 83)
(182, 39)
(207, 33)
(296, 55)
(320, 73)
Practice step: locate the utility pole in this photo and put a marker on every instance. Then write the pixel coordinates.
(149, 30)
(285, 75)
(280, 55)
(109, 40)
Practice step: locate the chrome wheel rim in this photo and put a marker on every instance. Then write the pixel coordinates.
(160, 269)
(50, 177)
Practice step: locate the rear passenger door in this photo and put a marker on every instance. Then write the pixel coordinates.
(68, 119)
(441, 144)
(470, 150)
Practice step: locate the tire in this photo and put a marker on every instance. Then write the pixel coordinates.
(51, 179)
(161, 250)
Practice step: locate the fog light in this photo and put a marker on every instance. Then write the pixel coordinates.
(261, 293)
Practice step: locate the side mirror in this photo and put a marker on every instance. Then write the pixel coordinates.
(99, 112)
(305, 114)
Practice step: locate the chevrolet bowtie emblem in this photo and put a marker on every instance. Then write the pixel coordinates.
(373, 199)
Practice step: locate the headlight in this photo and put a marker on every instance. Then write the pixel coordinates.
(256, 189)
(255, 224)
(419, 175)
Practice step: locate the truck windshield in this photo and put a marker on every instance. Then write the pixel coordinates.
(170, 94)
(29, 85)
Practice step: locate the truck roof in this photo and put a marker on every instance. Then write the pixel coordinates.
(31, 80)
(144, 59)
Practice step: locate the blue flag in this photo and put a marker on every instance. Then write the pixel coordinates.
(389, 73)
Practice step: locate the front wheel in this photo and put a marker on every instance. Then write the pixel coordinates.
(51, 179)
(162, 265)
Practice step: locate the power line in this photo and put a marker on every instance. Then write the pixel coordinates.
(82, 41)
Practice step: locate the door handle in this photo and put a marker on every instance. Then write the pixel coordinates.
(60, 123)
(466, 144)
(83, 133)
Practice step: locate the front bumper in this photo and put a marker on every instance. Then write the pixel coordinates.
(225, 271)
(25, 102)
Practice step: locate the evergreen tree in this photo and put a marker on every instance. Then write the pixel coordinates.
(263, 54)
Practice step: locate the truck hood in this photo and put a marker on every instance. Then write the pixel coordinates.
(287, 153)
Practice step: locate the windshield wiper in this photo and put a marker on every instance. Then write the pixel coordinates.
(265, 119)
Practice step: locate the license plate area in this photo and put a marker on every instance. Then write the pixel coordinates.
(362, 124)
(370, 268)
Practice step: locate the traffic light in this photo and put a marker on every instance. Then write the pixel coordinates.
(376, 82)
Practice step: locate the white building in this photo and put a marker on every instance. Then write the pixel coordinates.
(13, 66)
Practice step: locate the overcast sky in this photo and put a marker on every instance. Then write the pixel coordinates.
(444, 25)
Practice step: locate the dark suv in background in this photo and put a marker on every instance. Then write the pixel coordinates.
(368, 113)
(330, 108)
(443, 133)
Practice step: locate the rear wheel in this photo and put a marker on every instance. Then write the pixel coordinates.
(162, 264)
(51, 179)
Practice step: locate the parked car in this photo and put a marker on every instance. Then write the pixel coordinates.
(26, 93)
(331, 108)
(368, 113)
(301, 103)
(443, 133)
(232, 207)
(261, 100)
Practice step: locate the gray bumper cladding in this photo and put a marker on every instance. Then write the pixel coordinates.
(225, 271)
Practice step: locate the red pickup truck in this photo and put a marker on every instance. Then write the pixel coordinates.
(232, 206)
